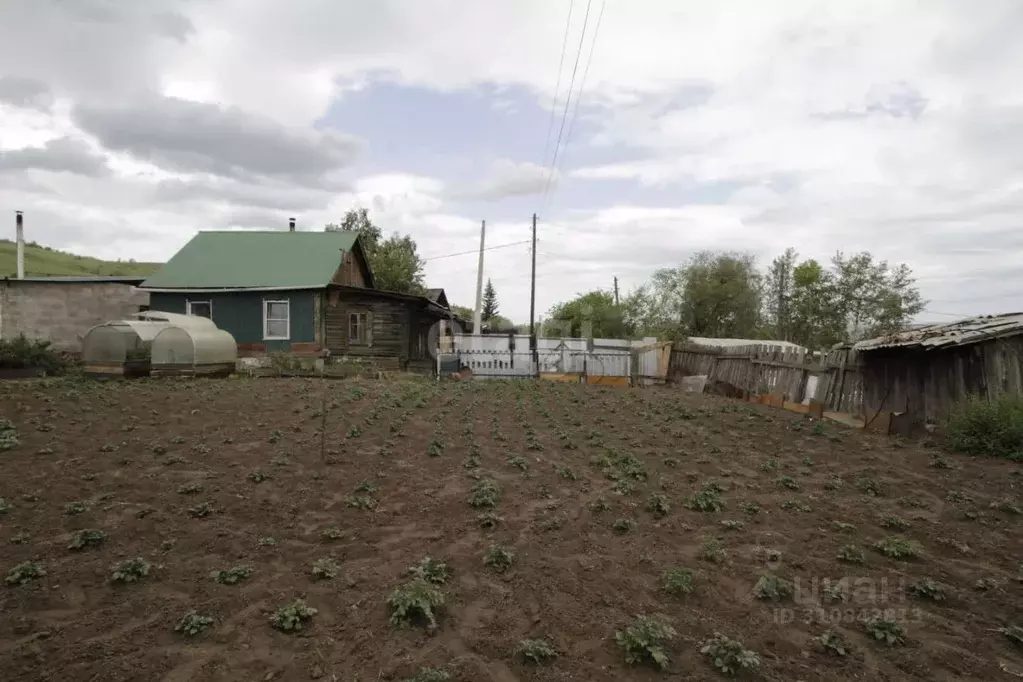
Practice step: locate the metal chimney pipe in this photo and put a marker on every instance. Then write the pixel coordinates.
(19, 225)
(291, 224)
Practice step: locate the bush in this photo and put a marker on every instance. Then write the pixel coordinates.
(887, 631)
(771, 587)
(130, 570)
(988, 427)
(25, 572)
(431, 570)
(499, 558)
(193, 624)
(728, 655)
(678, 581)
(416, 599)
(23, 353)
(87, 538)
(8, 436)
(537, 650)
(644, 640)
(292, 617)
(232, 576)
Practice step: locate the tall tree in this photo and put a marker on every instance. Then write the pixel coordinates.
(778, 295)
(815, 317)
(873, 297)
(721, 295)
(489, 301)
(593, 314)
(395, 261)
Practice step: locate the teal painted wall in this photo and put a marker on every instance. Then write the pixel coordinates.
(241, 313)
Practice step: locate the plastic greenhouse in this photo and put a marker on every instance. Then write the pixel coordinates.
(193, 350)
(159, 343)
(120, 348)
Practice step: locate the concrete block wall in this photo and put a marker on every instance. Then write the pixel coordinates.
(63, 312)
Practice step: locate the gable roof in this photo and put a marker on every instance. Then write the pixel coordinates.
(437, 296)
(256, 260)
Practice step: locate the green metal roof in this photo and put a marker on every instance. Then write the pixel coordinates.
(249, 260)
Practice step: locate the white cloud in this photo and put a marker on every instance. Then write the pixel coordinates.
(886, 125)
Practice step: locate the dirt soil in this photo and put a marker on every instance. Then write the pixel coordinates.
(589, 457)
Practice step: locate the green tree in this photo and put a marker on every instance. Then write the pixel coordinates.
(778, 295)
(873, 297)
(815, 317)
(591, 315)
(489, 302)
(720, 295)
(395, 261)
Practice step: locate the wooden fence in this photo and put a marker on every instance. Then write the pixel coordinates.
(832, 377)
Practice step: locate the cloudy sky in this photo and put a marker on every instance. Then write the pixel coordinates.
(889, 126)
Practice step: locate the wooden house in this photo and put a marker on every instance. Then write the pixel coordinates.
(919, 375)
(297, 292)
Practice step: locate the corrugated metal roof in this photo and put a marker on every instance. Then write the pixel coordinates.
(963, 332)
(242, 260)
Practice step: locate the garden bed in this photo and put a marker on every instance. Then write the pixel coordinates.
(560, 513)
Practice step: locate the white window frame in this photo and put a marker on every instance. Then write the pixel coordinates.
(363, 324)
(266, 306)
(190, 302)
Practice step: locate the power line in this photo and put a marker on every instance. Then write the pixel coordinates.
(557, 86)
(582, 84)
(568, 102)
(465, 253)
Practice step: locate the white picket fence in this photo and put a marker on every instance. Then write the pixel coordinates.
(510, 356)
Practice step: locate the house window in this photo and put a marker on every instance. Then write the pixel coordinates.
(357, 328)
(200, 308)
(276, 319)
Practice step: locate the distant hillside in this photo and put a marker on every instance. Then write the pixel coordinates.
(42, 260)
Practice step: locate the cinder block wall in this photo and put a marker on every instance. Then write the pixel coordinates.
(63, 312)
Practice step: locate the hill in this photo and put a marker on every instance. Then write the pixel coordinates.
(42, 260)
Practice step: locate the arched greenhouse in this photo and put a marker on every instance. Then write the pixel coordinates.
(193, 350)
(120, 348)
(159, 343)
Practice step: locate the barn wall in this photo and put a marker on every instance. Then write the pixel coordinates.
(928, 384)
(63, 312)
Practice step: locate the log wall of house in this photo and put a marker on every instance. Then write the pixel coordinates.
(387, 324)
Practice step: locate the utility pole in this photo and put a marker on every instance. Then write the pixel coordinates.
(532, 302)
(477, 314)
(616, 290)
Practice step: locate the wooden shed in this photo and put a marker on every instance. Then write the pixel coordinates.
(922, 373)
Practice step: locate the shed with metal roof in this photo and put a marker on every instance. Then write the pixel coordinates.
(922, 373)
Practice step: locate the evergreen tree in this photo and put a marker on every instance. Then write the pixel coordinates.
(489, 302)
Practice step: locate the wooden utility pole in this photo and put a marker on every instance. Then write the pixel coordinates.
(616, 290)
(532, 300)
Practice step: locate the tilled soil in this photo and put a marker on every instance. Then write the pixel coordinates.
(132, 452)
